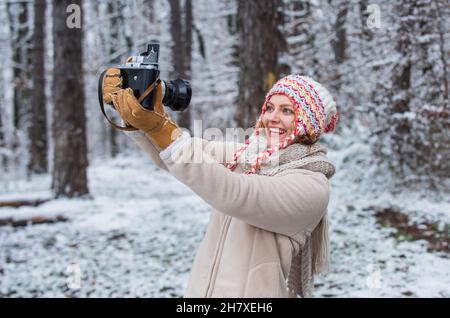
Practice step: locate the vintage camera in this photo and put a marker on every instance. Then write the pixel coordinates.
(139, 72)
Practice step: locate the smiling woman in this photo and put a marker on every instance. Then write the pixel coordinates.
(259, 242)
(301, 107)
(278, 119)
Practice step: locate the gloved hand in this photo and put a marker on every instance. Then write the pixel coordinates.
(112, 83)
(156, 124)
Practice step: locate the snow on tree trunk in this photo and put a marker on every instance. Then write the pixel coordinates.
(181, 31)
(410, 106)
(2, 143)
(70, 151)
(115, 19)
(18, 14)
(260, 45)
(38, 125)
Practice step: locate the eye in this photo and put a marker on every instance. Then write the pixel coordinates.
(269, 108)
(288, 111)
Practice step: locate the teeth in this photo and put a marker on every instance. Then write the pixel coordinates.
(277, 130)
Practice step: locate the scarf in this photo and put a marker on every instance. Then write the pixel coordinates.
(313, 255)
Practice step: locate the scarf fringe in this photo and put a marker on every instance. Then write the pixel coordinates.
(312, 258)
(321, 247)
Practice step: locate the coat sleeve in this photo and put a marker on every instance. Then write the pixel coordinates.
(218, 150)
(221, 151)
(287, 203)
(144, 143)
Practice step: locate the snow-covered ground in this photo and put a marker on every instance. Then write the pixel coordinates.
(138, 233)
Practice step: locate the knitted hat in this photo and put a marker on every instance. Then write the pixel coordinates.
(315, 114)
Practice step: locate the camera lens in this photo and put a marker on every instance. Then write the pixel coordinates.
(177, 95)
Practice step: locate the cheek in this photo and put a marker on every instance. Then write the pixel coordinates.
(289, 122)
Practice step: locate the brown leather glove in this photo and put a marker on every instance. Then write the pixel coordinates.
(156, 124)
(112, 83)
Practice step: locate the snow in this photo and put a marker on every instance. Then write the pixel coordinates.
(365, 260)
(134, 238)
(137, 234)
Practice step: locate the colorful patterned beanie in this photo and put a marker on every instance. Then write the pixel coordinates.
(315, 114)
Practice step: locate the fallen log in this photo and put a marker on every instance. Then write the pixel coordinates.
(31, 221)
(19, 203)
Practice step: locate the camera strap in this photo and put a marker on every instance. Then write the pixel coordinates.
(149, 90)
(100, 100)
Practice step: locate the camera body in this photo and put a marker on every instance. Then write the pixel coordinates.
(139, 72)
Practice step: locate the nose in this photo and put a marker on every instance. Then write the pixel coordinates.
(274, 116)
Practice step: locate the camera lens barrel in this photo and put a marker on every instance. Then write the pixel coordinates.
(177, 94)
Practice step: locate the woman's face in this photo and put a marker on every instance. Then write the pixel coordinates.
(278, 119)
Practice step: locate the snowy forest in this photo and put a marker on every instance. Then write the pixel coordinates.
(85, 213)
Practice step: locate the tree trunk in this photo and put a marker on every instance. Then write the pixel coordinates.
(339, 45)
(38, 125)
(3, 160)
(114, 34)
(122, 22)
(260, 44)
(188, 21)
(150, 5)
(181, 48)
(18, 17)
(340, 41)
(69, 132)
(441, 31)
(176, 32)
(367, 34)
(17, 37)
(19, 26)
(401, 79)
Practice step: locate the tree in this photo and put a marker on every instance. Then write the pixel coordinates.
(410, 108)
(367, 33)
(181, 31)
(20, 39)
(339, 45)
(2, 144)
(149, 10)
(340, 41)
(38, 124)
(114, 20)
(441, 32)
(70, 149)
(188, 22)
(260, 45)
(18, 16)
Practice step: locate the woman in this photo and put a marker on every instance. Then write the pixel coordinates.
(268, 234)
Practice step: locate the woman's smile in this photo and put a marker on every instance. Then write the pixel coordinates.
(276, 132)
(278, 119)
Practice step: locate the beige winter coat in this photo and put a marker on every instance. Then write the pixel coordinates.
(258, 224)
